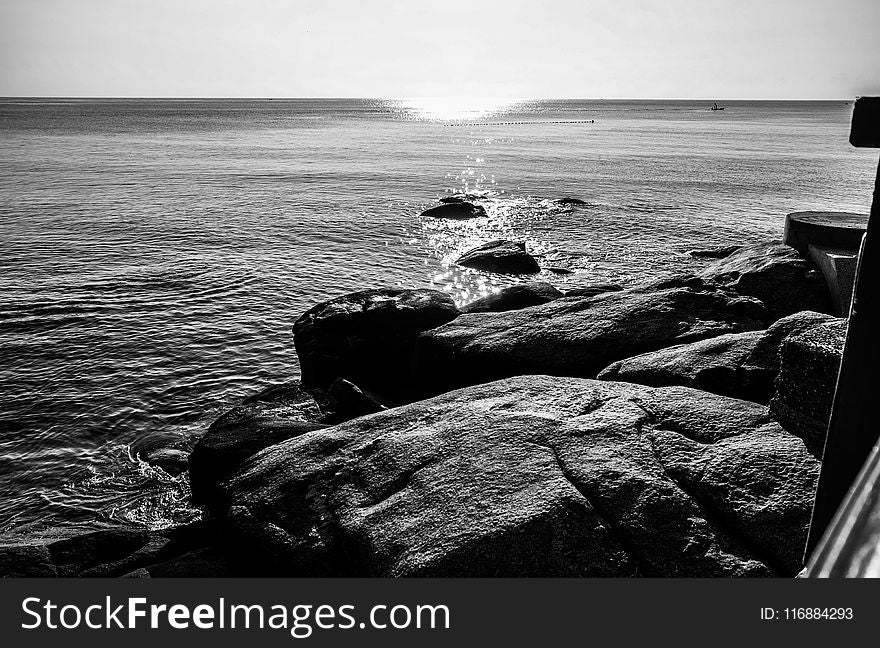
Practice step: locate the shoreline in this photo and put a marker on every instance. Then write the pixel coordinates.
(725, 335)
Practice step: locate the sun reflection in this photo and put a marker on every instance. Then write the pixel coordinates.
(456, 108)
(506, 218)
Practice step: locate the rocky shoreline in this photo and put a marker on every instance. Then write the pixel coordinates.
(671, 428)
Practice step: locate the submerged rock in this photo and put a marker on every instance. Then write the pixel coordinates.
(778, 275)
(570, 201)
(502, 257)
(804, 389)
(271, 416)
(514, 298)
(575, 336)
(367, 337)
(456, 210)
(535, 476)
(742, 365)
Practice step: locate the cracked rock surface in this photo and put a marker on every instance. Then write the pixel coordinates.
(534, 476)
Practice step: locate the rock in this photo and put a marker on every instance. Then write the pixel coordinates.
(206, 562)
(570, 201)
(458, 210)
(96, 548)
(514, 298)
(776, 274)
(26, 561)
(591, 290)
(576, 336)
(349, 401)
(741, 365)
(166, 450)
(452, 199)
(536, 476)
(716, 252)
(367, 337)
(502, 257)
(275, 414)
(804, 389)
(558, 270)
(121, 552)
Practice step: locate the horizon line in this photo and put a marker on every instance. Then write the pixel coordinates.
(399, 98)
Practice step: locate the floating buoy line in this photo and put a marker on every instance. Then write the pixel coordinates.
(526, 123)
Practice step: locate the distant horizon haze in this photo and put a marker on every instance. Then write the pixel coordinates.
(808, 50)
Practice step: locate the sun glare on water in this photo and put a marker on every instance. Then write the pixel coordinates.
(456, 108)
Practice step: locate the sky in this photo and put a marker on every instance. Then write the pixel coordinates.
(700, 49)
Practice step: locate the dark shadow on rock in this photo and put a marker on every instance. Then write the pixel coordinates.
(367, 337)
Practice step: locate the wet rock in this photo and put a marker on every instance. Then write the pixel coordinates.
(558, 270)
(166, 450)
(591, 290)
(273, 415)
(742, 365)
(458, 210)
(804, 389)
(782, 278)
(570, 201)
(502, 257)
(514, 298)
(367, 337)
(715, 253)
(576, 336)
(536, 476)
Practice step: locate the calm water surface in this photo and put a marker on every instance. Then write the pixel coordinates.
(154, 254)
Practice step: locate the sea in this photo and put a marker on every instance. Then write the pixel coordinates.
(154, 254)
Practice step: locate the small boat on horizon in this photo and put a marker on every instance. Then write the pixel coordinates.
(715, 107)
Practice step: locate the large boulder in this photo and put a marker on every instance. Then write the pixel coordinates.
(778, 275)
(804, 388)
(271, 416)
(579, 336)
(535, 476)
(456, 210)
(367, 337)
(500, 257)
(514, 298)
(741, 365)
